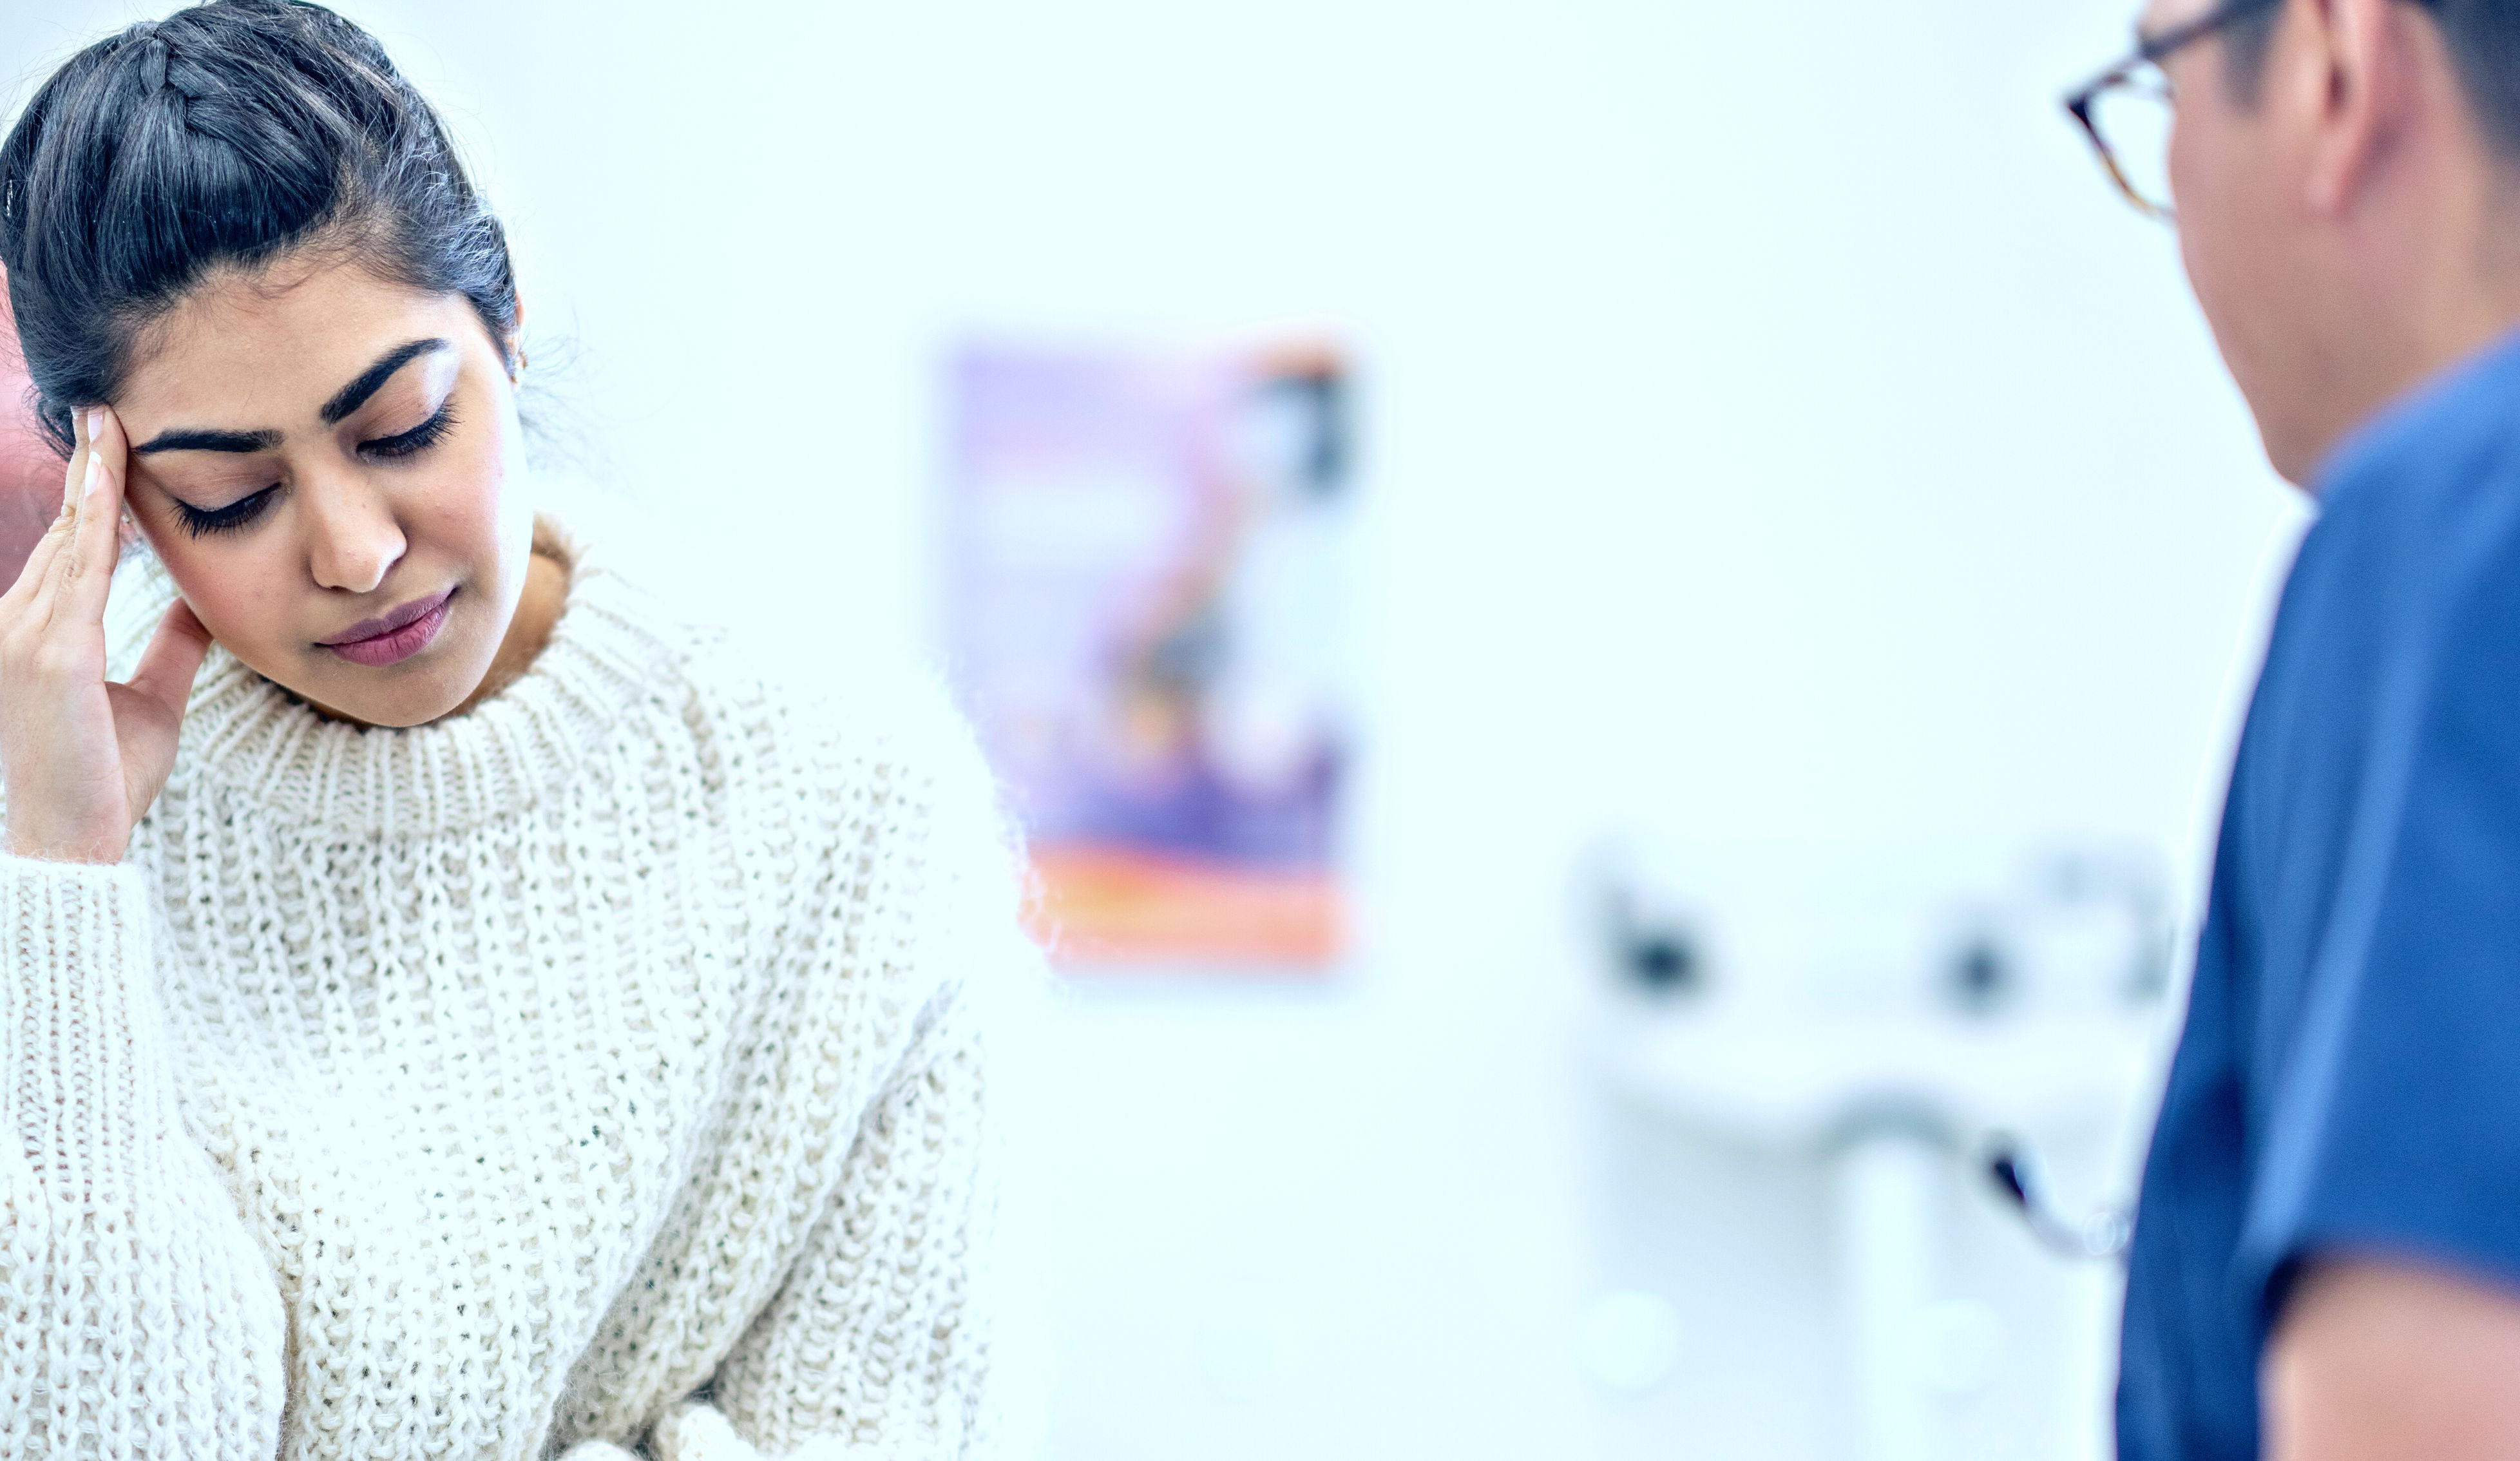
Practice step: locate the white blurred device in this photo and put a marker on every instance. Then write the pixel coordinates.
(1901, 1018)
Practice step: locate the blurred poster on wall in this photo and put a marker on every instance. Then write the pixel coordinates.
(1146, 564)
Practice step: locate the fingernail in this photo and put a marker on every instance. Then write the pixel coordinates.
(95, 473)
(95, 423)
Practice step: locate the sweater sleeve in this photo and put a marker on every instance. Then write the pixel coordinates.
(876, 1345)
(138, 1317)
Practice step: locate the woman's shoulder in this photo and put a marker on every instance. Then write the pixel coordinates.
(855, 760)
(838, 722)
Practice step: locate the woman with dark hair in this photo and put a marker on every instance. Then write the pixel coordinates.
(505, 1022)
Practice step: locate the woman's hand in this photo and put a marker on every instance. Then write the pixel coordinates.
(83, 759)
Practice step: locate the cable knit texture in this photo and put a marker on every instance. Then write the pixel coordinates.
(596, 1074)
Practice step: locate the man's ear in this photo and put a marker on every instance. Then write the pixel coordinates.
(2356, 64)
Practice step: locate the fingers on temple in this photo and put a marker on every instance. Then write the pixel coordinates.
(42, 562)
(76, 469)
(97, 536)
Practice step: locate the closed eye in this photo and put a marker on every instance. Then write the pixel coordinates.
(233, 518)
(413, 443)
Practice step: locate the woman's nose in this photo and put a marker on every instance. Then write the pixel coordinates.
(352, 539)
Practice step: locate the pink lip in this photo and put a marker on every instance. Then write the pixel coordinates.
(397, 636)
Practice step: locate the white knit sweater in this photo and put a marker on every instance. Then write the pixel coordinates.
(598, 1068)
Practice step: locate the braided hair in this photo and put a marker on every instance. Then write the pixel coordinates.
(224, 136)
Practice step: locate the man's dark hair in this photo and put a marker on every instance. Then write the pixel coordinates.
(2483, 37)
(2245, 43)
(225, 135)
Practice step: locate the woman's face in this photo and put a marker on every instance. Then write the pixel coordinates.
(330, 467)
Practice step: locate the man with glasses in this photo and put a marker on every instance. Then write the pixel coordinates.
(2325, 1263)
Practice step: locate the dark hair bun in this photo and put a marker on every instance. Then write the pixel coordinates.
(227, 134)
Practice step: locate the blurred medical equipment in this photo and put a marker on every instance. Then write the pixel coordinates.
(2014, 1168)
(1908, 1023)
(2089, 929)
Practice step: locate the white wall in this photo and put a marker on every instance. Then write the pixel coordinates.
(1777, 432)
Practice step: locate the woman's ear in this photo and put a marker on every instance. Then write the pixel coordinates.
(516, 342)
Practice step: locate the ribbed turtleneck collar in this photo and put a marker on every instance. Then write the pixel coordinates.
(606, 656)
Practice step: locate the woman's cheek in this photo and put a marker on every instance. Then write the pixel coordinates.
(463, 507)
(235, 598)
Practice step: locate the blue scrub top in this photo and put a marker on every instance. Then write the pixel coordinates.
(2350, 1074)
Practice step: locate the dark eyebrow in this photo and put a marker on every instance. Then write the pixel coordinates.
(188, 440)
(352, 396)
(348, 399)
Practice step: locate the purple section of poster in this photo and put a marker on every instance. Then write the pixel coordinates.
(1144, 564)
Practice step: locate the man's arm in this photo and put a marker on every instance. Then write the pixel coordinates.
(2375, 1360)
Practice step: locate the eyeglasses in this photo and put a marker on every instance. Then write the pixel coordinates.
(2126, 110)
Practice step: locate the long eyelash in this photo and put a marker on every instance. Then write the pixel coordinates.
(237, 515)
(418, 440)
(204, 522)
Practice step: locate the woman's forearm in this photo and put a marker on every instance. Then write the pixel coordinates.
(140, 1317)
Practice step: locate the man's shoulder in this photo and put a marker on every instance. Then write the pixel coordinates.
(2399, 621)
(2418, 529)
(2445, 456)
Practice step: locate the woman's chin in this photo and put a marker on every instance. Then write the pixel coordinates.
(427, 686)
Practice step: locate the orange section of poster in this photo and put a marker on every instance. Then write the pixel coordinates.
(1120, 909)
